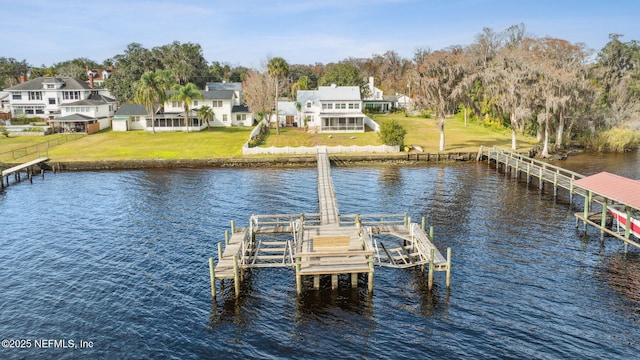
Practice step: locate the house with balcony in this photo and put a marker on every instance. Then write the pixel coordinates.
(66, 103)
(330, 109)
(224, 100)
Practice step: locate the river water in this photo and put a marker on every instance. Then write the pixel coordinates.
(114, 265)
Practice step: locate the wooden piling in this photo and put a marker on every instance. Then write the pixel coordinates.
(448, 281)
(299, 277)
(226, 237)
(431, 265)
(354, 280)
(334, 281)
(236, 275)
(212, 275)
(316, 282)
(603, 219)
(424, 223)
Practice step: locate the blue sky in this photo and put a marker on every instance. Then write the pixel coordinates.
(246, 32)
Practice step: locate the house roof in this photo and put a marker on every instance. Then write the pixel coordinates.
(131, 110)
(92, 100)
(348, 93)
(236, 86)
(303, 96)
(615, 187)
(73, 117)
(212, 94)
(240, 109)
(70, 83)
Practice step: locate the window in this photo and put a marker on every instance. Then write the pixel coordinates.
(350, 105)
(224, 117)
(329, 106)
(356, 106)
(16, 96)
(51, 86)
(217, 103)
(35, 95)
(71, 95)
(241, 117)
(195, 103)
(341, 106)
(52, 101)
(308, 104)
(174, 104)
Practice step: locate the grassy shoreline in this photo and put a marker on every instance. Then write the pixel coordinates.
(226, 143)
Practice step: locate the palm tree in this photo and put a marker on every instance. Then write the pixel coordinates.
(206, 113)
(278, 68)
(147, 93)
(186, 94)
(151, 91)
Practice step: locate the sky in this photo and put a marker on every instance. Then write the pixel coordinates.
(247, 32)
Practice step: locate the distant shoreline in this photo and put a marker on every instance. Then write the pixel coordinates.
(285, 161)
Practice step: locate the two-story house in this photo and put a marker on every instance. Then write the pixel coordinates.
(68, 104)
(224, 100)
(333, 109)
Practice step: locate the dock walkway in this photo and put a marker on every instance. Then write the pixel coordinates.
(327, 243)
(574, 183)
(15, 170)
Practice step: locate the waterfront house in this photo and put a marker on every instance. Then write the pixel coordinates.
(66, 103)
(331, 109)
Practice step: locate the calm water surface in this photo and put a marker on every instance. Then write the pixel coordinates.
(120, 259)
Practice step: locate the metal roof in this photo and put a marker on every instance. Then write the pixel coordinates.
(615, 187)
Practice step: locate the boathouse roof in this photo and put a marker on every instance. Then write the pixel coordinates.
(615, 187)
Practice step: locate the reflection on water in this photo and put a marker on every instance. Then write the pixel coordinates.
(120, 258)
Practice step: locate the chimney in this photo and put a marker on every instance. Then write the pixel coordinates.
(23, 78)
(91, 79)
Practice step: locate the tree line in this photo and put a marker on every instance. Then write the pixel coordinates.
(548, 87)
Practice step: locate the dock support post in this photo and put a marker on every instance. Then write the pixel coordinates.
(299, 277)
(431, 265)
(233, 226)
(603, 220)
(354, 280)
(555, 184)
(424, 223)
(571, 189)
(236, 275)
(226, 237)
(212, 275)
(541, 183)
(334, 281)
(431, 235)
(528, 173)
(448, 281)
(316, 282)
(587, 206)
(370, 275)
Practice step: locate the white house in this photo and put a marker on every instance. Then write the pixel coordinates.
(333, 109)
(130, 117)
(65, 102)
(226, 106)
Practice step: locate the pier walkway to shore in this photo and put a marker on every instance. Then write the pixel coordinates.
(26, 167)
(604, 189)
(327, 243)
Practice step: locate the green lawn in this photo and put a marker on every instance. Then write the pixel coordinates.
(142, 145)
(227, 142)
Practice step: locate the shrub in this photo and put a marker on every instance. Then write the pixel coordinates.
(392, 133)
(260, 137)
(619, 140)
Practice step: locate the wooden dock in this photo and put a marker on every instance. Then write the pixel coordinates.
(15, 170)
(559, 178)
(326, 244)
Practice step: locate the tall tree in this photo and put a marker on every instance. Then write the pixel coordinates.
(186, 94)
(130, 66)
(151, 91)
(256, 89)
(439, 75)
(278, 69)
(345, 74)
